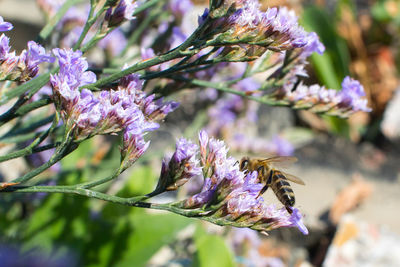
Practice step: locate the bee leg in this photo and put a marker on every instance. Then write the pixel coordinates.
(262, 191)
(289, 209)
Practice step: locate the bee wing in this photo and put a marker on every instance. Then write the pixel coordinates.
(293, 178)
(280, 161)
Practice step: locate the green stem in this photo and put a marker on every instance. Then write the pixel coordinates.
(7, 116)
(89, 23)
(52, 23)
(64, 149)
(21, 111)
(178, 52)
(95, 39)
(132, 201)
(100, 181)
(220, 86)
(31, 148)
(34, 84)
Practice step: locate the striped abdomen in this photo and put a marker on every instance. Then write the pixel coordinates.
(282, 189)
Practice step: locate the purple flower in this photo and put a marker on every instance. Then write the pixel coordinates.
(312, 45)
(275, 29)
(205, 196)
(126, 108)
(153, 110)
(114, 42)
(244, 198)
(184, 149)
(231, 197)
(134, 147)
(350, 99)
(351, 94)
(4, 47)
(203, 17)
(4, 25)
(296, 220)
(181, 167)
(23, 67)
(32, 57)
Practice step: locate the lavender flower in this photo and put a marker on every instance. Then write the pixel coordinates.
(125, 109)
(23, 67)
(152, 110)
(351, 94)
(122, 11)
(133, 148)
(31, 59)
(181, 167)
(276, 29)
(5, 26)
(230, 196)
(319, 99)
(109, 112)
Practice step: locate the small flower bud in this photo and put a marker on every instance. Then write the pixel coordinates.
(120, 12)
(181, 167)
(5, 26)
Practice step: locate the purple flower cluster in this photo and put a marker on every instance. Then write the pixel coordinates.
(181, 167)
(276, 29)
(232, 195)
(125, 109)
(4, 25)
(23, 67)
(349, 99)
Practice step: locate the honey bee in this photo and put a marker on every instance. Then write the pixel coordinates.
(274, 178)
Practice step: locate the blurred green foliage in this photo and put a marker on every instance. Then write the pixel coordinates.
(212, 250)
(95, 232)
(331, 67)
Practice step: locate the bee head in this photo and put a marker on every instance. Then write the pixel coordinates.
(244, 163)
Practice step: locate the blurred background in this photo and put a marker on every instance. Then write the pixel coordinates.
(350, 167)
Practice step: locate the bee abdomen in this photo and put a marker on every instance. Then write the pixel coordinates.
(283, 190)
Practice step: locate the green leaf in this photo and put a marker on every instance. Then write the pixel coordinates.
(335, 61)
(59, 221)
(211, 250)
(325, 71)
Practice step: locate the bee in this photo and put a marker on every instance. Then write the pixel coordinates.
(273, 177)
